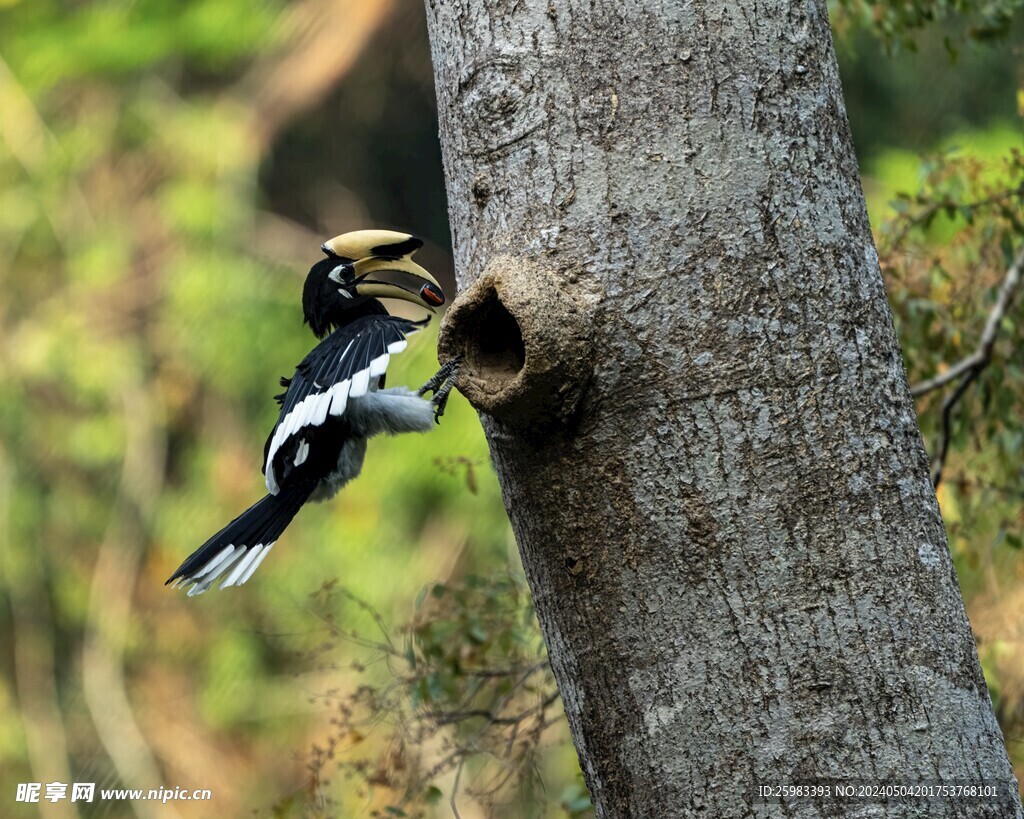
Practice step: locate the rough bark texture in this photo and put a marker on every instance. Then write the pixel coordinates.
(717, 482)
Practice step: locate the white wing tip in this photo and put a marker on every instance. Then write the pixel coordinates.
(379, 365)
(339, 397)
(360, 384)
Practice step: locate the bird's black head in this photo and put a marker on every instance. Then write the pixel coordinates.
(360, 268)
(329, 298)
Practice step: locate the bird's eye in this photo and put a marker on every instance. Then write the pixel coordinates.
(341, 274)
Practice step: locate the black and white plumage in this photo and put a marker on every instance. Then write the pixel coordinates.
(335, 393)
(336, 400)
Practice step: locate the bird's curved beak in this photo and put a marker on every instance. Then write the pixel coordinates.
(401, 278)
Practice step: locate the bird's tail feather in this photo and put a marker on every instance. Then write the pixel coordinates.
(238, 549)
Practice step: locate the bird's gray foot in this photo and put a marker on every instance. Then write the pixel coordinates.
(441, 384)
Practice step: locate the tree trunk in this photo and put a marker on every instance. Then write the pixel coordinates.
(675, 329)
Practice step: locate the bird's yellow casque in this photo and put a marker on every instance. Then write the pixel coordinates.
(387, 254)
(361, 244)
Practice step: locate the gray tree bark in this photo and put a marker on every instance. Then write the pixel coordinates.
(675, 328)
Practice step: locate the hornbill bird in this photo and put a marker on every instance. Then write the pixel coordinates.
(336, 399)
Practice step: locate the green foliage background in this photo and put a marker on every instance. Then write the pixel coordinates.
(167, 171)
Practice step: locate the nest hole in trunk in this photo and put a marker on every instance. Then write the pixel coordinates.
(494, 341)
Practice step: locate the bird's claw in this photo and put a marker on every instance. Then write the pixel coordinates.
(440, 399)
(441, 384)
(448, 370)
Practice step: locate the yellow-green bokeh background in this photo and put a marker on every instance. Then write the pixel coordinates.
(167, 172)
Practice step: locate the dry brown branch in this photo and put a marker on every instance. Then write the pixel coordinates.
(909, 222)
(328, 38)
(31, 141)
(110, 602)
(968, 369)
(34, 672)
(980, 358)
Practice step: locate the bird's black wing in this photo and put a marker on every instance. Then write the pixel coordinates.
(347, 364)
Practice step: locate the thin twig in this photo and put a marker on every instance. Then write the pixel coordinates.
(981, 357)
(947, 432)
(910, 222)
(452, 717)
(970, 368)
(455, 789)
(967, 483)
